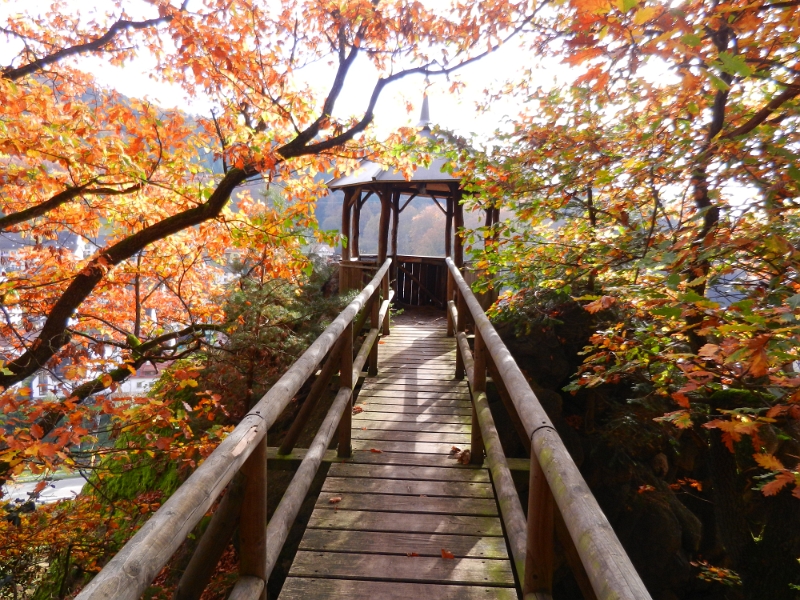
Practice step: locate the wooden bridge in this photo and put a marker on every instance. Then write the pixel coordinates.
(419, 501)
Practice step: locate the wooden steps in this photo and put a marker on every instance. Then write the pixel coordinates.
(385, 519)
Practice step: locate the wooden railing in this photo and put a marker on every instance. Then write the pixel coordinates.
(559, 501)
(240, 464)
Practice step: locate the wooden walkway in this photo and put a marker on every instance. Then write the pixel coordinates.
(403, 519)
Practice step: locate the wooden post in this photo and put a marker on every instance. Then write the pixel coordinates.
(451, 285)
(448, 228)
(346, 381)
(385, 296)
(539, 553)
(458, 222)
(344, 272)
(478, 386)
(461, 324)
(375, 308)
(395, 227)
(253, 518)
(383, 245)
(356, 229)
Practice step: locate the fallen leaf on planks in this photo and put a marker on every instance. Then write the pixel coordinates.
(363, 428)
(446, 554)
(465, 457)
(455, 450)
(357, 410)
(411, 554)
(335, 500)
(376, 451)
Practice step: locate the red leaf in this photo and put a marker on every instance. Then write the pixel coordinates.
(681, 398)
(446, 554)
(411, 554)
(776, 485)
(335, 500)
(375, 450)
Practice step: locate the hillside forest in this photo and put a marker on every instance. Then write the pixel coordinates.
(645, 262)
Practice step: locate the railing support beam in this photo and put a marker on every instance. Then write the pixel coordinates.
(539, 549)
(346, 381)
(253, 516)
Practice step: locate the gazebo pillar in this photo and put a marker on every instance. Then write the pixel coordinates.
(356, 228)
(344, 267)
(458, 221)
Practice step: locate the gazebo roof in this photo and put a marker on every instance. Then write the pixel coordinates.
(370, 172)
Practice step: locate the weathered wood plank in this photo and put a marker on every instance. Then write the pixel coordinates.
(422, 385)
(452, 489)
(409, 426)
(428, 410)
(377, 415)
(482, 571)
(390, 435)
(399, 401)
(424, 544)
(408, 504)
(302, 588)
(407, 472)
(407, 458)
(357, 520)
(413, 394)
(422, 377)
(414, 447)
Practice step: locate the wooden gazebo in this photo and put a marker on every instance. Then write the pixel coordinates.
(417, 280)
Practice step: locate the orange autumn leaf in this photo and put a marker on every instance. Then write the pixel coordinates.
(600, 304)
(768, 462)
(447, 555)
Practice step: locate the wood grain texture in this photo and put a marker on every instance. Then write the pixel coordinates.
(408, 472)
(357, 520)
(481, 571)
(402, 401)
(408, 504)
(402, 544)
(407, 458)
(428, 410)
(375, 414)
(302, 588)
(415, 447)
(411, 426)
(411, 436)
(455, 489)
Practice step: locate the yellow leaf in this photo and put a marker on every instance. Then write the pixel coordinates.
(644, 14)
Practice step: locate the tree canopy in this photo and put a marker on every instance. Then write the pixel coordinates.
(150, 189)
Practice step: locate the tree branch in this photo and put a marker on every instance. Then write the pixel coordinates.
(54, 334)
(62, 198)
(762, 115)
(95, 45)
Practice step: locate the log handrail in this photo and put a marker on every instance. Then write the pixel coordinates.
(133, 568)
(607, 565)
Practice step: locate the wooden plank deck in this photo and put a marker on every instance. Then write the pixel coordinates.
(402, 500)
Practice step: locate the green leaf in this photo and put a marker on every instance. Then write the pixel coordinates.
(734, 64)
(626, 5)
(717, 82)
(794, 173)
(671, 312)
(794, 301)
(673, 281)
(691, 39)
